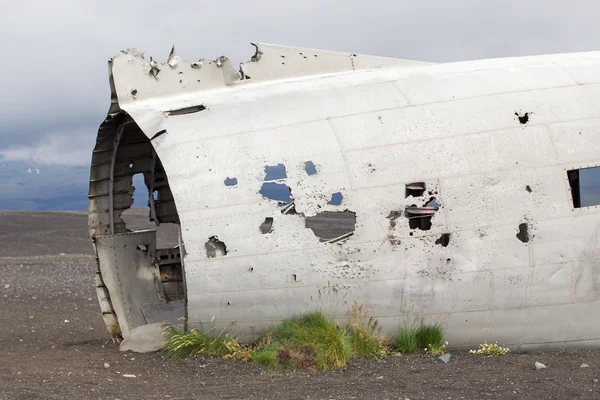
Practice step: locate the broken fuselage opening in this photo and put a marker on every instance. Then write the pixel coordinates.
(136, 281)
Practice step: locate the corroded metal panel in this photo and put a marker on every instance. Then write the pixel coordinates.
(129, 271)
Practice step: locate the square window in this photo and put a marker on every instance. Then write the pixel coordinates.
(585, 186)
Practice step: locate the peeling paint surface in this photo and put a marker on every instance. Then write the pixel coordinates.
(433, 162)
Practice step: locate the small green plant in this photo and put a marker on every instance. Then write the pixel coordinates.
(365, 333)
(337, 350)
(491, 349)
(430, 336)
(436, 351)
(180, 343)
(311, 341)
(405, 340)
(266, 357)
(412, 337)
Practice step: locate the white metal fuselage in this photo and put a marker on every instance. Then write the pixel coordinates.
(507, 255)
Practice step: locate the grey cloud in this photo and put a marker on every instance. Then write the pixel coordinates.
(54, 73)
(26, 130)
(67, 147)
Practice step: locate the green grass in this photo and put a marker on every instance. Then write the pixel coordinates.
(307, 341)
(363, 344)
(266, 357)
(405, 340)
(310, 341)
(430, 335)
(410, 338)
(365, 333)
(193, 343)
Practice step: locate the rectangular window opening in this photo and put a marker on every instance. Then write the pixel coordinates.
(585, 186)
(419, 217)
(415, 189)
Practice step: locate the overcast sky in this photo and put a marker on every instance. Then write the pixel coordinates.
(54, 81)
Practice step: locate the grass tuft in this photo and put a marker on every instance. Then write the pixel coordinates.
(268, 357)
(365, 333)
(430, 335)
(405, 340)
(336, 350)
(308, 341)
(180, 343)
(311, 341)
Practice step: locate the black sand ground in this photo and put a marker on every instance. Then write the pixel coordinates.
(53, 344)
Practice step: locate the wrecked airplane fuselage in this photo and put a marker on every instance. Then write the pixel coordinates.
(460, 192)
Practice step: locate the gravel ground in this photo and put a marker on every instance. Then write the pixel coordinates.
(53, 345)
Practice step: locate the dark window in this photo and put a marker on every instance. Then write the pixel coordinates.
(420, 217)
(585, 186)
(415, 189)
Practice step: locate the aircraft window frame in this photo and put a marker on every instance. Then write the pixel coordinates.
(582, 186)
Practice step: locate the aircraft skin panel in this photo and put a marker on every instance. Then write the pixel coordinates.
(492, 246)
(487, 152)
(576, 141)
(500, 66)
(466, 116)
(582, 67)
(179, 77)
(301, 142)
(275, 112)
(485, 207)
(463, 85)
(280, 62)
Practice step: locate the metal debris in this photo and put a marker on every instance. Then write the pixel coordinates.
(173, 59)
